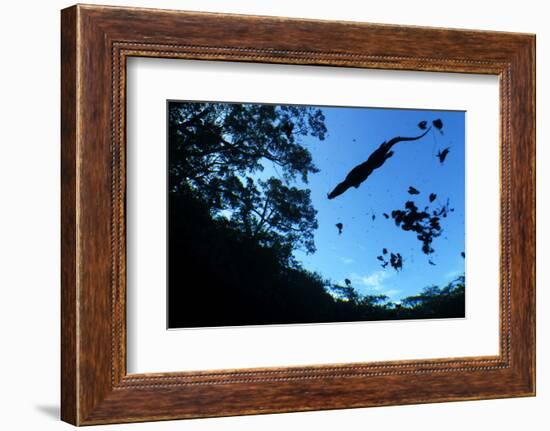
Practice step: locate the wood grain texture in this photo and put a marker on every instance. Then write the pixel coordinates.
(96, 41)
(69, 366)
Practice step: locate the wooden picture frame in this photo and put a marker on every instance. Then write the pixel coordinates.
(95, 43)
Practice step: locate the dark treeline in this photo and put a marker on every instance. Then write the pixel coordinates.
(227, 279)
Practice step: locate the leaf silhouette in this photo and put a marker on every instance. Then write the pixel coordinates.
(396, 261)
(442, 155)
(426, 226)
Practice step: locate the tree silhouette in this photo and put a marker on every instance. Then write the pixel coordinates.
(217, 148)
(274, 214)
(435, 301)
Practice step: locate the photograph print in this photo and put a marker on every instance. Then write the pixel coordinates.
(296, 214)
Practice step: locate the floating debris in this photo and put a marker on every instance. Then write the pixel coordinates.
(442, 155)
(396, 261)
(438, 124)
(425, 226)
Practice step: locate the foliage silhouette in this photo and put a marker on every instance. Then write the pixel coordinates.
(215, 148)
(434, 301)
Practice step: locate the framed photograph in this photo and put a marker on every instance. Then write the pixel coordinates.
(264, 215)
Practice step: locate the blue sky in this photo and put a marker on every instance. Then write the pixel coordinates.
(353, 133)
